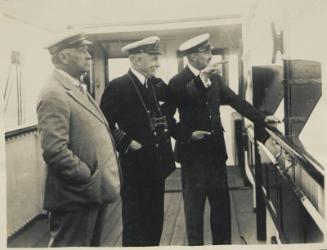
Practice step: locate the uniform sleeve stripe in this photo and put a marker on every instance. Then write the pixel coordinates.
(118, 135)
(118, 132)
(119, 139)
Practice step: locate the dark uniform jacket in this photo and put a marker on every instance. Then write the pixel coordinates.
(199, 110)
(129, 121)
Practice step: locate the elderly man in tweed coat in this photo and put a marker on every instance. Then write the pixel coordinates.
(82, 167)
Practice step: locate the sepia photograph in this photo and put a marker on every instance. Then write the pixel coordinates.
(163, 123)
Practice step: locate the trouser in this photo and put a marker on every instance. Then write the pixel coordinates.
(142, 211)
(201, 181)
(77, 228)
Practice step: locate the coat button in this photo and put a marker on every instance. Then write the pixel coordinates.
(210, 116)
(155, 133)
(165, 130)
(157, 145)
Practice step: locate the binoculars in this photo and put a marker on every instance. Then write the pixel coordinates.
(159, 122)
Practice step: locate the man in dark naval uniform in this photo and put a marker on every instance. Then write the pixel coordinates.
(131, 106)
(198, 91)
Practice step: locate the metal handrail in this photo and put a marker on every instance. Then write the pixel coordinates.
(306, 203)
(20, 131)
(309, 164)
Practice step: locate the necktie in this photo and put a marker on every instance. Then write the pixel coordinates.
(207, 84)
(83, 88)
(146, 82)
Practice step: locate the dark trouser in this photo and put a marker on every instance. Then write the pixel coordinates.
(143, 206)
(202, 180)
(77, 228)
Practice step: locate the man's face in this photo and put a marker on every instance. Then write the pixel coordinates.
(148, 64)
(202, 59)
(77, 59)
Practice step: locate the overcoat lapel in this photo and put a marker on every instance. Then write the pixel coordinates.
(78, 96)
(98, 109)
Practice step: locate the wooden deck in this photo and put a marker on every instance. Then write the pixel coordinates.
(174, 233)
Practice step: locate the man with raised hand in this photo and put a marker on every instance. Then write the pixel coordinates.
(197, 92)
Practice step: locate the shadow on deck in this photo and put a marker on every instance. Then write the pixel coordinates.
(174, 234)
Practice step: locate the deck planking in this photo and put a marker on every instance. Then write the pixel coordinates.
(174, 230)
(170, 218)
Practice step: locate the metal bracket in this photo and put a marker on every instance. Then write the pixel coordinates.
(277, 42)
(303, 81)
(293, 164)
(295, 119)
(15, 57)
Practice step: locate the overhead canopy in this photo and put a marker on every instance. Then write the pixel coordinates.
(56, 15)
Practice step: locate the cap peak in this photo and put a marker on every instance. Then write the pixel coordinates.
(195, 44)
(68, 40)
(149, 45)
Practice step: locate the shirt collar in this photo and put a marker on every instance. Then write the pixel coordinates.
(67, 76)
(139, 76)
(195, 71)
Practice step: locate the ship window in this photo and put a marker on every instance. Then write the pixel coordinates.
(117, 67)
(233, 77)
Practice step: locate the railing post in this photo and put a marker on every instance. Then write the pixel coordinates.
(267, 94)
(260, 204)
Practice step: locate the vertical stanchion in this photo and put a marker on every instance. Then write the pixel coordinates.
(261, 209)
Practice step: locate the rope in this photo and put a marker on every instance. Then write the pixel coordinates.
(6, 88)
